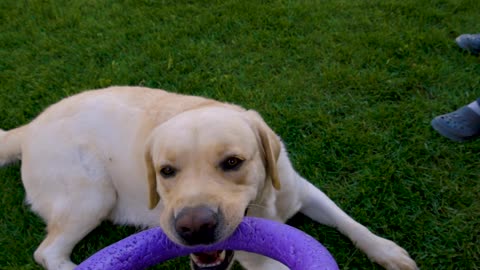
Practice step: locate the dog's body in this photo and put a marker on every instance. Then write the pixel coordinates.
(88, 158)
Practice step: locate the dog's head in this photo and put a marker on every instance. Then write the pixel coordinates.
(207, 165)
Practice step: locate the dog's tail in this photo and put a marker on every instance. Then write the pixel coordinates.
(10, 145)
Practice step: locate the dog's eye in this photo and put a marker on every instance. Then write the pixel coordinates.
(231, 163)
(168, 171)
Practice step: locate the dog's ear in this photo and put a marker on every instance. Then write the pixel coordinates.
(269, 143)
(153, 195)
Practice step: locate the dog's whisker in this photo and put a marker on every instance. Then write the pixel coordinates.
(258, 206)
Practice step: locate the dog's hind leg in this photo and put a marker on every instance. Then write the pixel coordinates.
(62, 235)
(68, 186)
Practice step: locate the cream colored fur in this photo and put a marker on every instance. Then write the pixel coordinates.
(97, 156)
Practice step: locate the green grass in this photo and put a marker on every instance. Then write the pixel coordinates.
(351, 86)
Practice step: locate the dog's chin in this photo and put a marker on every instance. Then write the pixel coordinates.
(215, 260)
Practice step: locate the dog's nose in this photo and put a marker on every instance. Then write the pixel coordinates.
(197, 225)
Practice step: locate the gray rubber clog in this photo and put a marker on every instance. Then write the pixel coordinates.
(469, 42)
(460, 125)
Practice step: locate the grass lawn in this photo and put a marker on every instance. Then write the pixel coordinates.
(351, 87)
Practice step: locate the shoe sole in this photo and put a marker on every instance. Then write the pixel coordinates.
(440, 128)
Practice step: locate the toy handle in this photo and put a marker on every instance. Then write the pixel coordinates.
(288, 245)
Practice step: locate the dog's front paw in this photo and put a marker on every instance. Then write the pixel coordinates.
(390, 255)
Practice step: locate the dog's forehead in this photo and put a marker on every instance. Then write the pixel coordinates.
(220, 130)
(211, 122)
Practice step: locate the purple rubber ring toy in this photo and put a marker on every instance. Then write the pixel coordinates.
(290, 246)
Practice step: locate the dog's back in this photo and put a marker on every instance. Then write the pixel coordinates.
(103, 113)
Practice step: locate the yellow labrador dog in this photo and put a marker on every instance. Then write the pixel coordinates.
(191, 165)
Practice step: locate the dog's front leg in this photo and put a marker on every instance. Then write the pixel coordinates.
(316, 205)
(252, 261)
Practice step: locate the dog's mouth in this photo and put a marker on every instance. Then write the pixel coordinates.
(215, 260)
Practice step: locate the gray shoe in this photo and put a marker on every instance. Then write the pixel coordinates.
(469, 42)
(460, 125)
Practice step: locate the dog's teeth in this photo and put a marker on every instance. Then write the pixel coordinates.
(209, 264)
(218, 261)
(195, 259)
